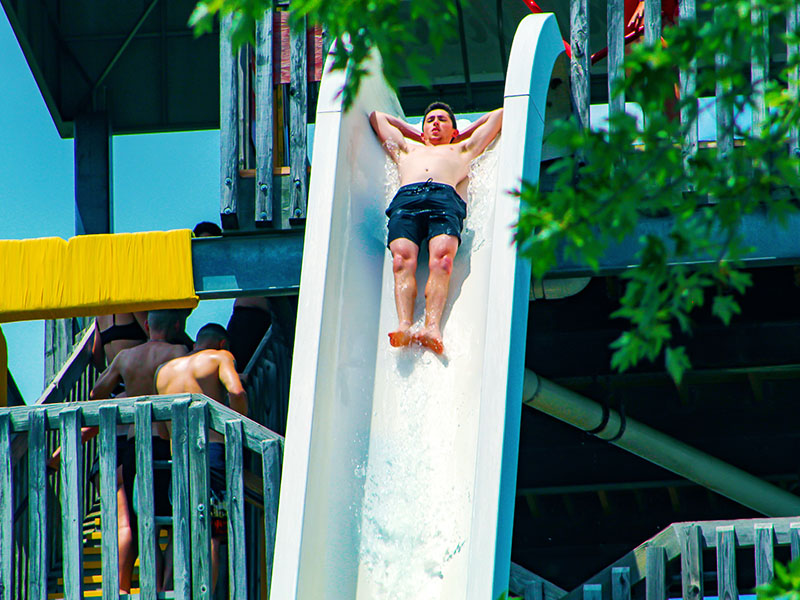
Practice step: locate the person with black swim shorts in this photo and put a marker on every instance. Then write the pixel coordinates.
(428, 207)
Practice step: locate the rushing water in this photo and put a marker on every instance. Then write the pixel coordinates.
(419, 474)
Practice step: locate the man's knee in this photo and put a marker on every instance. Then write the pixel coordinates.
(442, 263)
(404, 257)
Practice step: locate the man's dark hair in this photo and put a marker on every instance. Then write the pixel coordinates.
(206, 228)
(440, 106)
(165, 320)
(213, 332)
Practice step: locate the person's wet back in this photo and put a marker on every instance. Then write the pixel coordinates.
(209, 370)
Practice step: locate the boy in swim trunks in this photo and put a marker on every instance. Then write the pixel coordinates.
(429, 206)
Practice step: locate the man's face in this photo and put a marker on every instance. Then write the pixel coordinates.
(438, 128)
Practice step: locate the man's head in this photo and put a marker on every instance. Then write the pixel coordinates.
(212, 336)
(439, 124)
(206, 229)
(165, 324)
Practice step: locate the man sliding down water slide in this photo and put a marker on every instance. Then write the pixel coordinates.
(429, 206)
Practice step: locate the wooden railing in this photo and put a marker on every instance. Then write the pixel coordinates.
(24, 568)
(671, 564)
(759, 68)
(264, 92)
(267, 377)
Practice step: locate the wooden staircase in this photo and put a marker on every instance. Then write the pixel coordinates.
(92, 577)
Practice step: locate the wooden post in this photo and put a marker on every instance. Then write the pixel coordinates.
(181, 513)
(759, 67)
(616, 56)
(794, 540)
(108, 501)
(691, 539)
(723, 102)
(198, 486)
(264, 120)
(792, 50)
(271, 476)
(726, 563)
(37, 505)
(534, 591)
(143, 419)
(71, 502)
(688, 85)
(764, 553)
(652, 22)
(228, 128)
(57, 347)
(592, 591)
(579, 65)
(298, 119)
(234, 478)
(6, 510)
(621, 583)
(656, 558)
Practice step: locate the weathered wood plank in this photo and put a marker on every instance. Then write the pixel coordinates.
(71, 502)
(724, 103)
(6, 511)
(621, 583)
(656, 573)
(254, 433)
(652, 22)
(108, 501)
(764, 552)
(298, 120)
(144, 508)
(592, 591)
(616, 56)
(228, 127)
(534, 591)
(691, 562)
(579, 64)
(759, 66)
(198, 489)
(264, 119)
(792, 51)
(271, 466)
(37, 506)
(726, 563)
(181, 534)
(794, 540)
(234, 468)
(688, 85)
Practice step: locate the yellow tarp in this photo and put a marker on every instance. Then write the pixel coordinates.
(89, 275)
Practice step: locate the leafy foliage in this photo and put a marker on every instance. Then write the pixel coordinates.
(355, 25)
(608, 181)
(785, 585)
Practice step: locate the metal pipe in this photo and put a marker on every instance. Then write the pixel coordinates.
(658, 448)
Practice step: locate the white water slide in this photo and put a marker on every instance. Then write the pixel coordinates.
(400, 466)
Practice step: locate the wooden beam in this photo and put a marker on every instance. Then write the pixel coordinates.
(298, 120)
(264, 120)
(228, 127)
(37, 506)
(616, 56)
(108, 500)
(237, 543)
(691, 562)
(181, 511)
(579, 64)
(198, 486)
(688, 86)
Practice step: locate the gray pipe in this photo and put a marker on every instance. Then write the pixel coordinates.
(660, 449)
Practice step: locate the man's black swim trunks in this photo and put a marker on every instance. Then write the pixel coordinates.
(420, 211)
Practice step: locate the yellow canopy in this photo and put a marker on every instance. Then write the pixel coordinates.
(89, 275)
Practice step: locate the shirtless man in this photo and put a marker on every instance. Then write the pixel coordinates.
(429, 206)
(136, 367)
(209, 370)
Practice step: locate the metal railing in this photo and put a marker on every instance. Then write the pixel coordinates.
(24, 568)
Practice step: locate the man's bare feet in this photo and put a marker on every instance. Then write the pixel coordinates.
(432, 340)
(400, 338)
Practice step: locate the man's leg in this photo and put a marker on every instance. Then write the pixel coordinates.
(404, 266)
(442, 250)
(124, 537)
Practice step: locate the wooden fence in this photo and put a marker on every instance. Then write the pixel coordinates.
(675, 563)
(759, 68)
(24, 568)
(264, 97)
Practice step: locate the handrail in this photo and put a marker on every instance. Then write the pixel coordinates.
(686, 541)
(71, 372)
(191, 416)
(266, 380)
